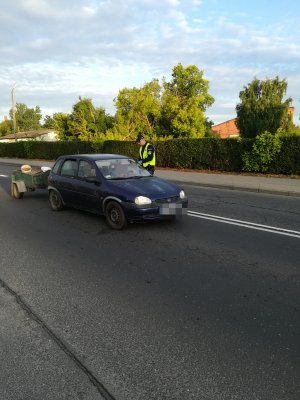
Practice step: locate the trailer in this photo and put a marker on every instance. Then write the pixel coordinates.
(27, 179)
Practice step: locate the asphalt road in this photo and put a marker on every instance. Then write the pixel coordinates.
(200, 309)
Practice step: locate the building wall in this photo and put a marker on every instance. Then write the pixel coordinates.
(48, 137)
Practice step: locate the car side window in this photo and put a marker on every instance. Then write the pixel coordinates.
(56, 166)
(86, 170)
(69, 168)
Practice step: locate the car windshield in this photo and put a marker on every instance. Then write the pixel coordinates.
(121, 168)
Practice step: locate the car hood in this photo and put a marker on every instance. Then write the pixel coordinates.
(152, 187)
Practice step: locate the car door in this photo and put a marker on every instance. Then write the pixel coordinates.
(66, 181)
(88, 186)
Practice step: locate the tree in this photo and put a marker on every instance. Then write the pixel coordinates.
(184, 102)
(84, 119)
(262, 108)
(208, 128)
(173, 109)
(138, 110)
(103, 121)
(49, 122)
(27, 118)
(86, 122)
(61, 125)
(78, 125)
(5, 127)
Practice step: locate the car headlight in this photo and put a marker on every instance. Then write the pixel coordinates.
(182, 194)
(142, 200)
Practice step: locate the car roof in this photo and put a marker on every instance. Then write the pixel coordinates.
(95, 157)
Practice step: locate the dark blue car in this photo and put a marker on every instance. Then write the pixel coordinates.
(114, 186)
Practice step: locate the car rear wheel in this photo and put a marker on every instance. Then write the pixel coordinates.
(55, 201)
(15, 193)
(115, 215)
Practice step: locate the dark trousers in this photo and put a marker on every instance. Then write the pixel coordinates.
(151, 169)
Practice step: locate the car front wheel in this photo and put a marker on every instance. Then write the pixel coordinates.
(55, 201)
(115, 215)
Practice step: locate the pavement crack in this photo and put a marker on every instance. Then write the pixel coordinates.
(99, 386)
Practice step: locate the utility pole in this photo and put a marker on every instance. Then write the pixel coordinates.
(13, 112)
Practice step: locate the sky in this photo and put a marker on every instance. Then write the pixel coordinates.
(53, 51)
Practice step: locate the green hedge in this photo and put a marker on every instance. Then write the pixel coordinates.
(288, 160)
(200, 154)
(207, 153)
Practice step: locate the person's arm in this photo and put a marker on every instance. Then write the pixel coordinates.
(139, 160)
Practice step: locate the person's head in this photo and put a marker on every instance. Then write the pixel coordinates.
(140, 139)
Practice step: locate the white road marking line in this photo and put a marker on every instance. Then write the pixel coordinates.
(4, 176)
(246, 224)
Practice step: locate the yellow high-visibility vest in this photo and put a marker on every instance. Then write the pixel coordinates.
(144, 154)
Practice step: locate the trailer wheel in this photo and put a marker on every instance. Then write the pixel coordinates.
(15, 193)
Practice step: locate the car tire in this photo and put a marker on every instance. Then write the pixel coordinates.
(55, 200)
(115, 216)
(15, 193)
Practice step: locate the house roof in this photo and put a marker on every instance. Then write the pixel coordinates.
(27, 134)
(226, 129)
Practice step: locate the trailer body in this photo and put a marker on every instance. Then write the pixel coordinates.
(22, 182)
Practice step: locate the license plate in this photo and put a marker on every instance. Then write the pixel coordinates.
(172, 209)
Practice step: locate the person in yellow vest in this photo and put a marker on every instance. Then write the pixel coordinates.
(146, 154)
